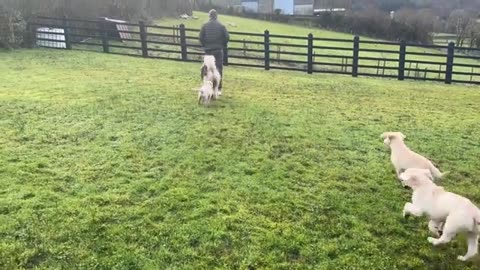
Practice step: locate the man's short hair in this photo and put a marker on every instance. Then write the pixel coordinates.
(213, 14)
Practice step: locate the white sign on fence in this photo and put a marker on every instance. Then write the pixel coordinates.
(53, 34)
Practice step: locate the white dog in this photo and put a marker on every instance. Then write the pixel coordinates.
(448, 211)
(403, 158)
(209, 72)
(205, 93)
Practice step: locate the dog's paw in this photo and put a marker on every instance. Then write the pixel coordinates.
(405, 214)
(461, 258)
(432, 240)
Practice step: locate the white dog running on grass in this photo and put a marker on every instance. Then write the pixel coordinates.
(448, 210)
(403, 158)
(210, 73)
(205, 93)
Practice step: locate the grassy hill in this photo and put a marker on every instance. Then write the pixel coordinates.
(238, 24)
(107, 162)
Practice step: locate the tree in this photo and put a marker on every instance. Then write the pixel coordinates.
(123, 9)
(473, 33)
(12, 27)
(458, 22)
(420, 22)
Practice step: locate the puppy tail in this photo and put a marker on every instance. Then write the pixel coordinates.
(436, 173)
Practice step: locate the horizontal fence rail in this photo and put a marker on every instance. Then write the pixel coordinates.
(355, 57)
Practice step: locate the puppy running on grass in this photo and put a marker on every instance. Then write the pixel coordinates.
(403, 158)
(205, 93)
(448, 211)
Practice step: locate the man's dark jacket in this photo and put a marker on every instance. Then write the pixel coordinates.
(214, 36)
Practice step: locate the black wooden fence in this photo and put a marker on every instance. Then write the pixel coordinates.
(355, 57)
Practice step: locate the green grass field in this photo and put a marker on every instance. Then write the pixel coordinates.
(107, 162)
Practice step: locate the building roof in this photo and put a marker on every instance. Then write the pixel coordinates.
(296, 2)
(304, 2)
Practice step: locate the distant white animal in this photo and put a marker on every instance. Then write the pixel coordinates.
(205, 93)
(447, 211)
(403, 158)
(210, 72)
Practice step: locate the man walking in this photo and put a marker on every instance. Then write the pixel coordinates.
(214, 37)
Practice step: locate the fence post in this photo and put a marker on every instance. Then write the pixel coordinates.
(66, 33)
(401, 60)
(267, 50)
(449, 67)
(356, 50)
(104, 36)
(183, 42)
(143, 38)
(310, 54)
(32, 35)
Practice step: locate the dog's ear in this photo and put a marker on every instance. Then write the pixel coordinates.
(413, 181)
(387, 141)
(390, 135)
(386, 136)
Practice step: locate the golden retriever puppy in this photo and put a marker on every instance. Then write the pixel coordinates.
(403, 158)
(453, 212)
